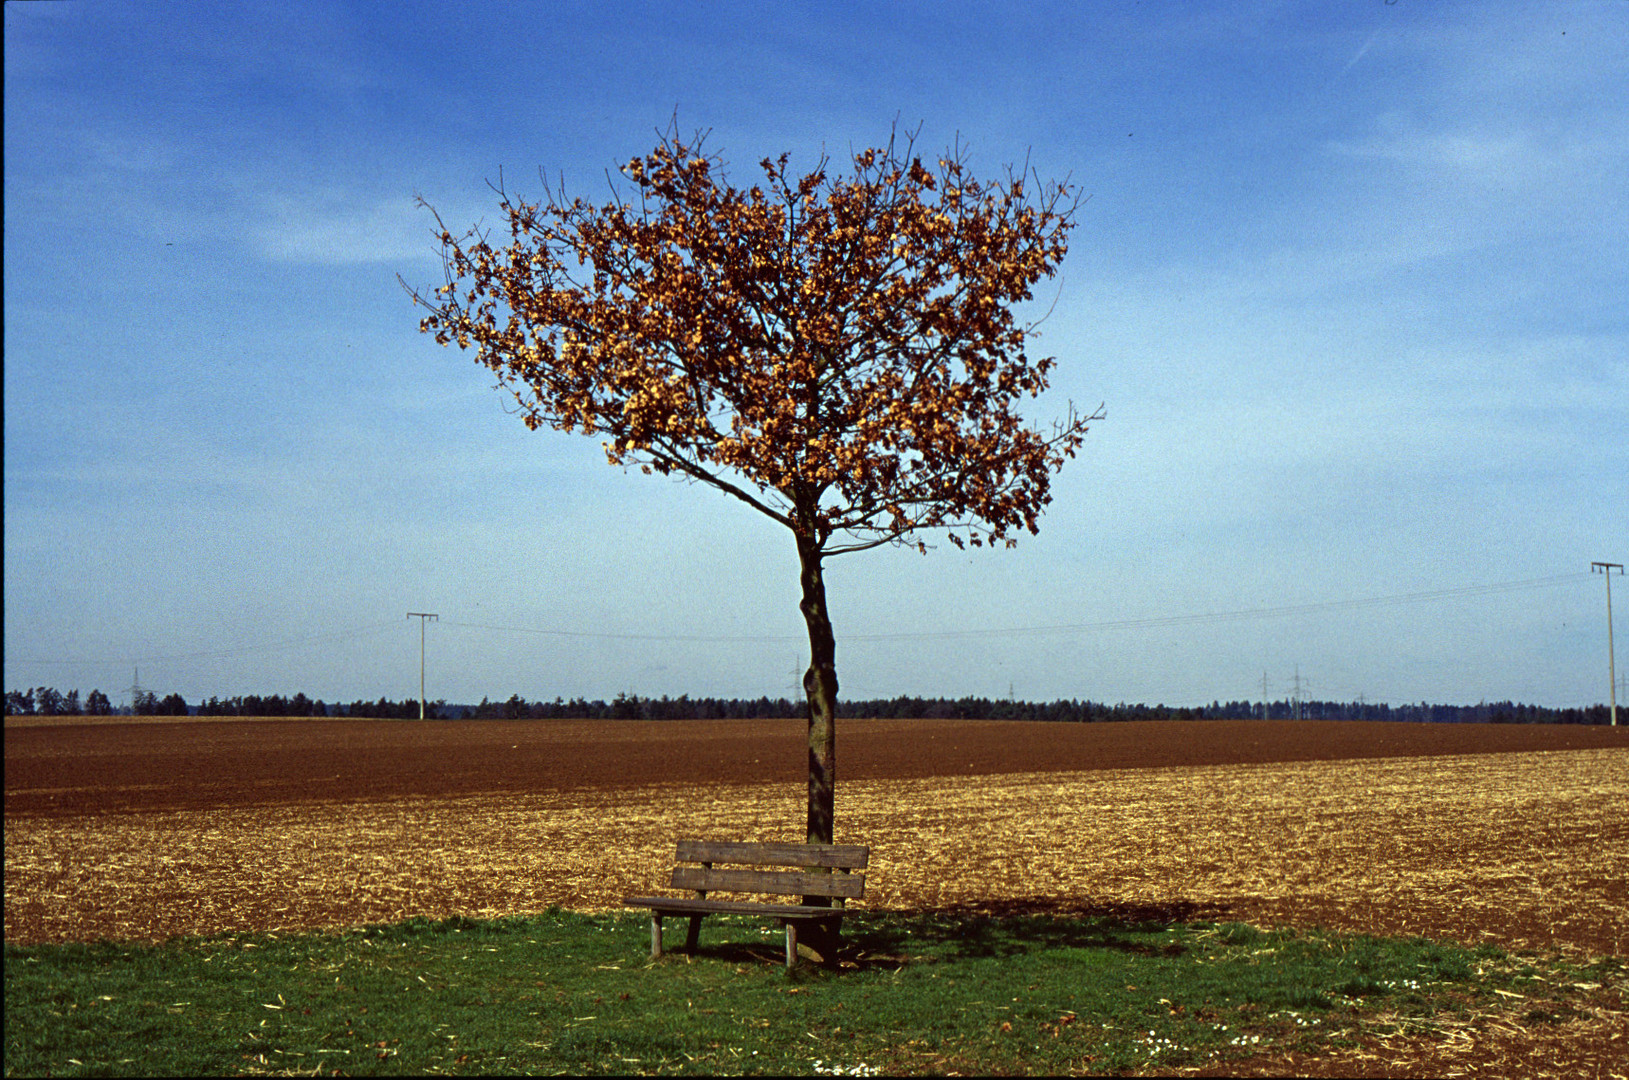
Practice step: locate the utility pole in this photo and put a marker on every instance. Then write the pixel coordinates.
(1606, 569)
(1264, 695)
(423, 617)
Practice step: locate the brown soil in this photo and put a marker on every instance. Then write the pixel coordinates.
(76, 768)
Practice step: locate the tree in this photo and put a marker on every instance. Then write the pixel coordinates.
(97, 704)
(837, 352)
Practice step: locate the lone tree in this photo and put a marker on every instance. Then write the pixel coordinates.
(838, 353)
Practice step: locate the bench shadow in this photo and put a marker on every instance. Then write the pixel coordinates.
(1009, 927)
(889, 940)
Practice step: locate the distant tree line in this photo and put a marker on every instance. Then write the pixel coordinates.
(45, 701)
(300, 705)
(632, 707)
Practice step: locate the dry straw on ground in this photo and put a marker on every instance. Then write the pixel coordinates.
(1529, 850)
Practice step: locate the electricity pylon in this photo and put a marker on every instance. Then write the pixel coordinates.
(1295, 706)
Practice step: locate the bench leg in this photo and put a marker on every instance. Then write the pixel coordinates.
(824, 937)
(791, 945)
(693, 938)
(655, 935)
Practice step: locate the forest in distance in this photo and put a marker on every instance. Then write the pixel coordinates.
(46, 701)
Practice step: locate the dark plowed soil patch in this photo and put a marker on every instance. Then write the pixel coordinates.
(78, 768)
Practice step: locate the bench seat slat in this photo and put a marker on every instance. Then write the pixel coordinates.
(832, 856)
(678, 905)
(782, 882)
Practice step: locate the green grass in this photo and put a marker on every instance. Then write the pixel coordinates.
(563, 992)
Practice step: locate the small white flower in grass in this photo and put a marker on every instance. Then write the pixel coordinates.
(834, 1069)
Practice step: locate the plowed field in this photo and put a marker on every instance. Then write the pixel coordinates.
(53, 767)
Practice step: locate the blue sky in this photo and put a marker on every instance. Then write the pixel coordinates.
(1350, 284)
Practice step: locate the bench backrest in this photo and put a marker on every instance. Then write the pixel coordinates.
(805, 881)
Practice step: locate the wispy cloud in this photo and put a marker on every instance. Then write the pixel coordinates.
(1510, 156)
(1362, 51)
(333, 228)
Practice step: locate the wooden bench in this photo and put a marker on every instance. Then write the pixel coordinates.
(813, 878)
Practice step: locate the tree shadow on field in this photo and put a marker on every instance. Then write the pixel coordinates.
(889, 940)
(1010, 927)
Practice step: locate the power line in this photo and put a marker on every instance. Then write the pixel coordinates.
(1150, 622)
(221, 654)
(1074, 628)
(623, 637)
(1245, 613)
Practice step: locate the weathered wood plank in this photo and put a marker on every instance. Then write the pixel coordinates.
(834, 856)
(678, 905)
(782, 882)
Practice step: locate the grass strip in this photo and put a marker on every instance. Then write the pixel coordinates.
(574, 993)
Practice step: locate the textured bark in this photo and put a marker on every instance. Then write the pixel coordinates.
(820, 687)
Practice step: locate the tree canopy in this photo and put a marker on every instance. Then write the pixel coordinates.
(838, 352)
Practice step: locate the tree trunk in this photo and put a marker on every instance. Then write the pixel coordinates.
(820, 941)
(820, 686)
